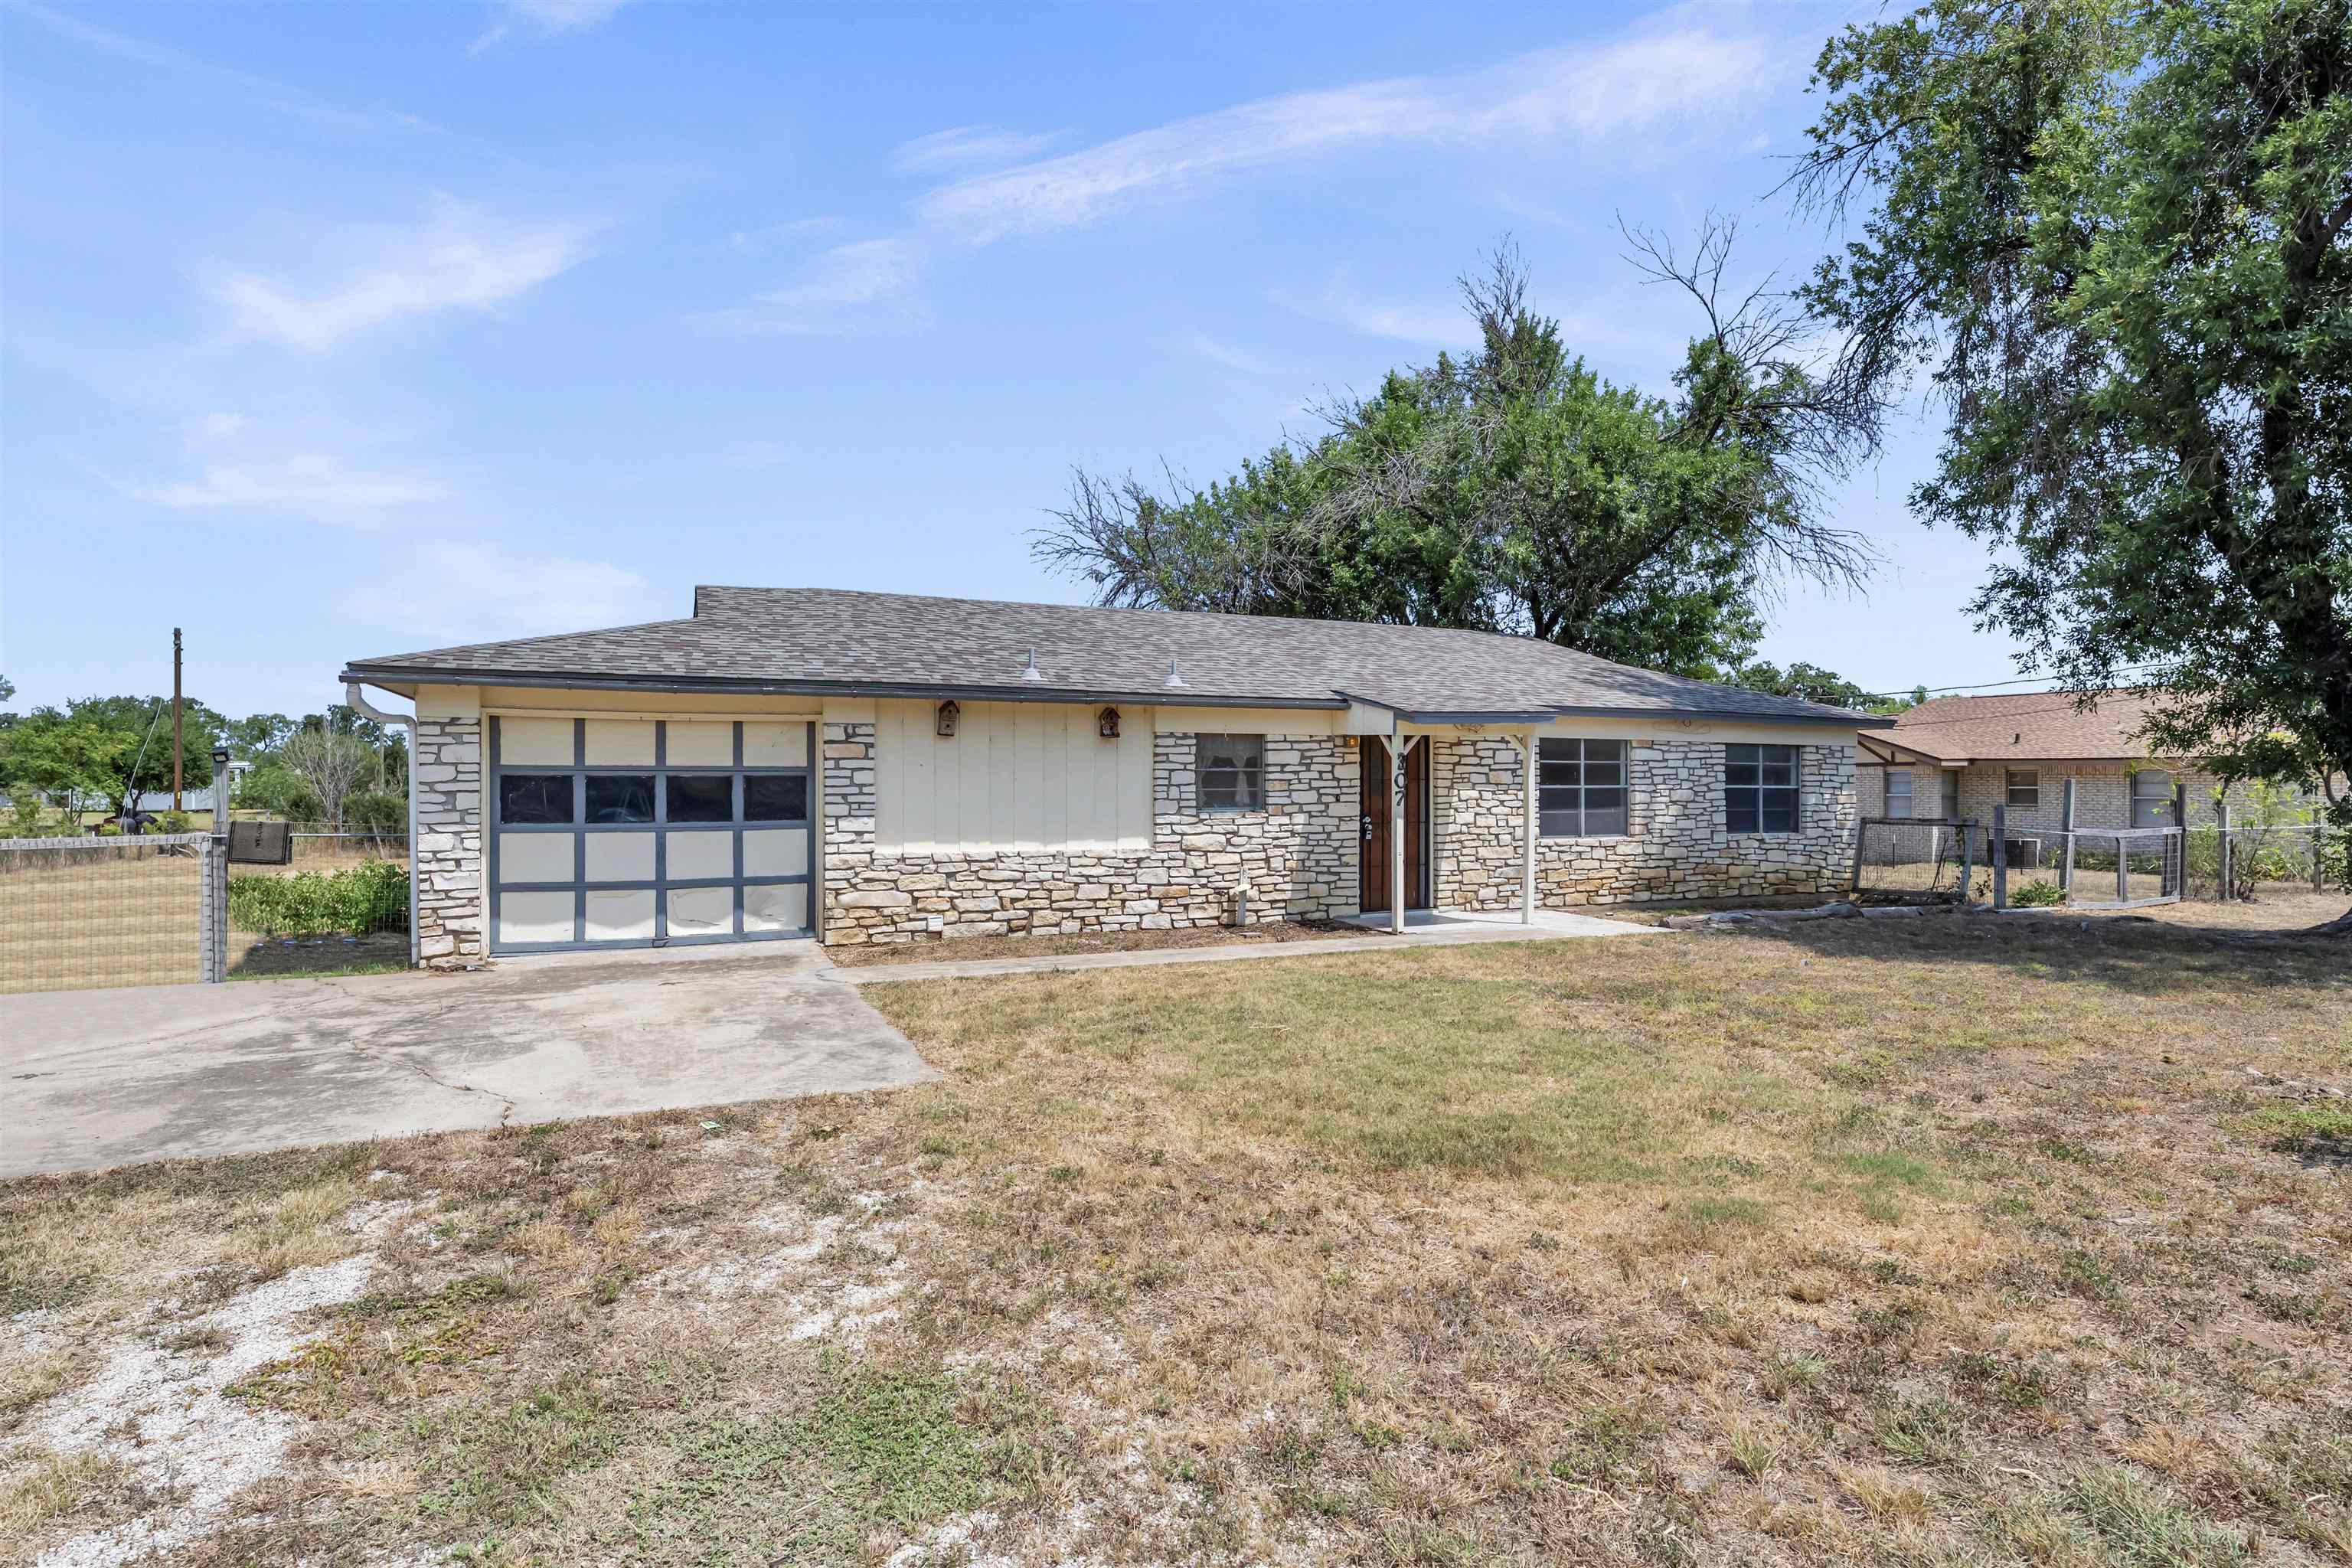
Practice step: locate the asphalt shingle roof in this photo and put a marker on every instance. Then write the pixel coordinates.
(835, 640)
(2027, 726)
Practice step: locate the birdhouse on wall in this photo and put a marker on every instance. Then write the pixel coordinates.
(948, 714)
(1107, 724)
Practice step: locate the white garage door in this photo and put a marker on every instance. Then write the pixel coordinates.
(647, 832)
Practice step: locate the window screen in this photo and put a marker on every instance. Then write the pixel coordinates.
(1950, 793)
(2024, 789)
(1759, 789)
(1898, 792)
(1581, 788)
(2151, 798)
(1231, 770)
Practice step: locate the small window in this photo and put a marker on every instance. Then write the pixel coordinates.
(525, 799)
(1759, 789)
(700, 797)
(1232, 772)
(1581, 789)
(2151, 798)
(620, 797)
(775, 797)
(2024, 789)
(1950, 792)
(1898, 792)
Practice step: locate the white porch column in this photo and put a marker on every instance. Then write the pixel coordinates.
(1400, 755)
(1528, 829)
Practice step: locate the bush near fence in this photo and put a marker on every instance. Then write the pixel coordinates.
(370, 897)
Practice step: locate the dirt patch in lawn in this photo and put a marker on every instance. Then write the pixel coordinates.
(1931, 1242)
(1058, 946)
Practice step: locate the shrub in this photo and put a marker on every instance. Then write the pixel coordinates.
(368, 897)
(2037, 894)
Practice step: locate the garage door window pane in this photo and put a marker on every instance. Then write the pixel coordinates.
(526, 798)
(775, 797)
(620, 797)
(701, 797)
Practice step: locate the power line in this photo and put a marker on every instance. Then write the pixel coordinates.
(1989, 684)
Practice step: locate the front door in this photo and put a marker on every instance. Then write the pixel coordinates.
(1376, 863)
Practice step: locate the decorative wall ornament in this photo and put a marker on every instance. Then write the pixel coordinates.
(1106, 723)
(947, 715)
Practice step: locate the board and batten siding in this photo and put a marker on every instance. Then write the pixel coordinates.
(1015, 776)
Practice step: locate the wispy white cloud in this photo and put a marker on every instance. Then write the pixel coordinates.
(1634, 84)
(313, 484)
(546, 18)
(458, 260)
(832, 287)
(1201, 345)
(1546, 97)
(487, 591)
(761, 240)
(1341, 301)
(965, 145)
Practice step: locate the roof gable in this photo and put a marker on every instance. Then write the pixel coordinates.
(2031, 726)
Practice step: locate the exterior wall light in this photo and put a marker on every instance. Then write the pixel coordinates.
(948, 714)
(1107, 724)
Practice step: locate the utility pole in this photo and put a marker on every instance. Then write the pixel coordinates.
(175, 718)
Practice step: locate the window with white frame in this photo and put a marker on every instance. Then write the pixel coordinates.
(1898, 792)
(2024, 789)
(1229, 771)
(1759, 789)
(1581, 788)
(2151, 798)
(1948, 806)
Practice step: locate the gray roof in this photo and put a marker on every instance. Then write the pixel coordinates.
(836, 641)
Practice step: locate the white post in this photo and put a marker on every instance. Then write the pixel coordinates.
(1527, 825)
(1400, 751)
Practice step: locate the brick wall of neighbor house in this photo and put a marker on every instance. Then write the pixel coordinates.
(1677, 847)
(448, 847)
(1296, 857)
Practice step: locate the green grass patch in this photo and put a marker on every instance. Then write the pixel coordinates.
(2323, 1129)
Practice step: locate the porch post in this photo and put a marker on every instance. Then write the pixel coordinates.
(1528, 829)
(1400, 753)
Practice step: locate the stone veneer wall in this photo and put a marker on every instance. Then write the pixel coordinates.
(1296, 857)
(448, 847)
(1676, 848)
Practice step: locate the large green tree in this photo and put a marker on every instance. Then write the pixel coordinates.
(2116, 235)
(1512, 489)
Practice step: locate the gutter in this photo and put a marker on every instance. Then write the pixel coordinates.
(360, 704)
(375, 674)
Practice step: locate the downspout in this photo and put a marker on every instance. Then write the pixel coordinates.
(362, 706)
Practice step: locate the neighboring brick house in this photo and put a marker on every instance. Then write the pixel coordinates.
(1961, 756)
(885, 768)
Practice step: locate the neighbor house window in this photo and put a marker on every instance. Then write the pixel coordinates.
(1898, 792)
(2024, 789)
(1950, 792)
(1232, 772)
(1581, 790)
(2151, 798)
(1759, 789)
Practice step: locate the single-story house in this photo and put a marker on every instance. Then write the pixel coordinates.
(887, 768)
(1958, 757)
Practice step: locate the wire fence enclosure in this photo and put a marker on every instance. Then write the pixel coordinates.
(1916, 859)
(86, 912)
(81, 912)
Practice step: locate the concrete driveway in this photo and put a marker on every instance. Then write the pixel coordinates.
(92, 1079)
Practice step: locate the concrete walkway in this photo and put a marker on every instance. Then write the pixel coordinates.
(92, 1079)
(1423, 928)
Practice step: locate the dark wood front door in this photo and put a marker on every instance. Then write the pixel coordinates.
(1373, 831)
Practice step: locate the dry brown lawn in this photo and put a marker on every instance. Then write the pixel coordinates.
(1937, 1241)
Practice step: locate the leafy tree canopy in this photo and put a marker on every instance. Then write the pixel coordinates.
(1808, 681)
(2117, 238)
(1513, 491)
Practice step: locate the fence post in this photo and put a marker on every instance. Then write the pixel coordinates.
(1861, 824)
(2122, 868)
(2000, 856)
(1967, 856)
(213, 926)
(2066, 837)
(2319, 852)
(2221, 820)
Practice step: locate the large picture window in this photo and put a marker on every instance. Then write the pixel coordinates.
(1581, 788)
(1231, 772)
(1759, 789)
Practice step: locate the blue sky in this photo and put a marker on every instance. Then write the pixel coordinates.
(342, 330)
